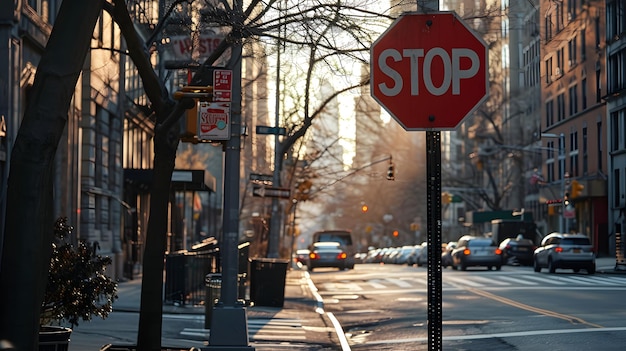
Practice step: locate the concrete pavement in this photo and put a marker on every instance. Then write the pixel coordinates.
(301, 324)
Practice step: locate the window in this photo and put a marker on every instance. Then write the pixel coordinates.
(573, 100)
(583, 93)
(616, 67)
(549, 113)
(572, 7)
(617, 190)
(585, 151)
(615, 130)
(571, 48)
(549, 70)
(599, 141)
(559, 62)
(573, 154)
(548, 26)
(583, 44)
(560, 107)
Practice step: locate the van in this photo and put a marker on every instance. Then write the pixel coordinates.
(344, 237)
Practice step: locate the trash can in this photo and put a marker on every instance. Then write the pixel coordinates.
(267, 282)
(213, 283)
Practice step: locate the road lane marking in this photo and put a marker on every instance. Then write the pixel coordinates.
(571, 319)
(499, 335)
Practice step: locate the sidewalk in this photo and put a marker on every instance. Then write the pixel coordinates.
(608, 265)
(301, 324)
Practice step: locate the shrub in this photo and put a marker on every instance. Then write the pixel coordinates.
(77, 287)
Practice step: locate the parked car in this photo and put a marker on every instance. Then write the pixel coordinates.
(446, 255)
(422, 258)
(403, 255)
(412, 259)
(476, 251)
(568, 251)
(327, 254)
(517, 251)
(302, 256)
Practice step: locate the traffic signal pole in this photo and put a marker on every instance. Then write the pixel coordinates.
(229, 324)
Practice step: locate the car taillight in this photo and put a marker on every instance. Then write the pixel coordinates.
(558, 249)
(498, 252)
(314, 256)
(466, 252)
(342, 256)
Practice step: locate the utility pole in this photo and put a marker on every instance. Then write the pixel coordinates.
(229, 324)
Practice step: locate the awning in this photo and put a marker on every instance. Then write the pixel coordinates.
(191, 179)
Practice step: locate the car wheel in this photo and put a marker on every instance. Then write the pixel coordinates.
(461, 267)
(591, 269)
(551, 266)
(536, 266)
(576, 270)
(498, 268)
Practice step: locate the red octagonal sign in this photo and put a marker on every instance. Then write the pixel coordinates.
(429, 71)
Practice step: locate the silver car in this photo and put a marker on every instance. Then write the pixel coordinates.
(476, 251)
(569, 251)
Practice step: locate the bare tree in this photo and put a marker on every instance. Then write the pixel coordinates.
(29, 220)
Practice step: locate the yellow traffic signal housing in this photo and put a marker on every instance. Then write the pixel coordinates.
(446, 198)
(198, 93)
(576, 190)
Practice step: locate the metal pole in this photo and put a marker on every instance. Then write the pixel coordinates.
(229, 324)
(433, 199)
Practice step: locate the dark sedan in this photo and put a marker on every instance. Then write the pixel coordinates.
(517, 251)
(327, 254)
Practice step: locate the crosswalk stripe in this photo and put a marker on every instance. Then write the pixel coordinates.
(544, 280)
(609, 281)
(375, 283)
(494, 280)
(462, 281)
(399, 282)
(517, 280)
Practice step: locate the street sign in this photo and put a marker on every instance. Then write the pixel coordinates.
(264, 191)
(213, 120)
(271, 130)
(429, 71)
(222, 85)
(261, 177)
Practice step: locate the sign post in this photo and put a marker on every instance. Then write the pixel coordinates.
(430, 80)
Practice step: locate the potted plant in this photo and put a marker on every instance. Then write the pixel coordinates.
(77, 288)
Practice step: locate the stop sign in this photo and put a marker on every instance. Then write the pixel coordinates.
(429, 71)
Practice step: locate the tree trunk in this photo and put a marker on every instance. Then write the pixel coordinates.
(29, 217)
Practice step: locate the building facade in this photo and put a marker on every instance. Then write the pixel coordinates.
(616, 123)
(573, 118)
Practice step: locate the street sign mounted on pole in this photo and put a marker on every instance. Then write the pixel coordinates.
(433, 78)
(430, 80)
(265, 191)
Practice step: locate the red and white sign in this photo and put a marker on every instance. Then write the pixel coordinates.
(429, 71)
(213, 121)
(222, 85)
(182, 46)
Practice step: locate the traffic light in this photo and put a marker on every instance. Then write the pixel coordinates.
(577, 189)
(396, 233)
(446, 198)
(390, 172)
(364, 208)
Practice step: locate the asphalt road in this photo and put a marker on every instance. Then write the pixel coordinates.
(384, 307)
